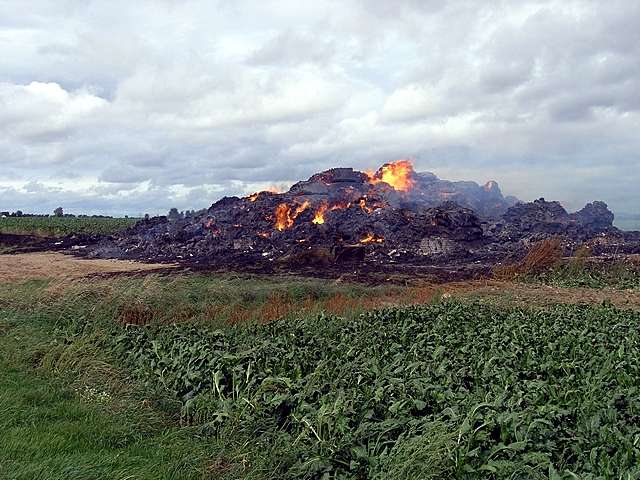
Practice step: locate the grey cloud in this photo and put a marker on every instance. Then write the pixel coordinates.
(292, 48)
(503, 77)
(214, 98)
(124, 174)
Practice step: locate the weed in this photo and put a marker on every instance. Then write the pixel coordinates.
(542, 256)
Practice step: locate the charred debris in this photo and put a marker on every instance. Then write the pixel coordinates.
(391, 220)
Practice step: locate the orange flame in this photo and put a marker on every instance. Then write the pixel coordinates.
(371, 238)
(301, 208)
(318, 218)
(264, 234)
(397, 174)
(368, 208)
(270, 189)
(285, 216)
(340, 206)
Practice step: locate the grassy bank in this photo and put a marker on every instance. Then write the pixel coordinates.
(544, 263)
(621, 275)
(447, 390)
(77, 416)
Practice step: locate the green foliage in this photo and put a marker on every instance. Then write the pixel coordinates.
(76, 421)
(61, 226)
(576, 273)
(442, 391)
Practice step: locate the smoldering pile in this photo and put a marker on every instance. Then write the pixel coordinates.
(393, 216)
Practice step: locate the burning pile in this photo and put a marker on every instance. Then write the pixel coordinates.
(339, 206)
(393, 215)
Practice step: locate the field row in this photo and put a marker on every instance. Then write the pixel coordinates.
(61, 226)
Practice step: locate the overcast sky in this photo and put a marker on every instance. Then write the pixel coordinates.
(136, 106)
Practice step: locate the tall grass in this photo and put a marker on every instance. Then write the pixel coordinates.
(541, 256)
(212, 300)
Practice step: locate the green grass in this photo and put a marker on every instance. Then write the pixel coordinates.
(578, 273)
(78, 418)
(61, 226)
(48, 432)
(447, 390)
(205, 299)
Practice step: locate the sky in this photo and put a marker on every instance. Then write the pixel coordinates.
(132, 107)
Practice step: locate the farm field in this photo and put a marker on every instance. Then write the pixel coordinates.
(61, 226)
(190, 376)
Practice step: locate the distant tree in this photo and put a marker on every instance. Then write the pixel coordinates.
(146, 216)
(18, 213)
(58, 212)
(174, 214)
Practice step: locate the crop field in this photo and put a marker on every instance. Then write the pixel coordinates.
(61, 226)
(194, 376)
(447, 391)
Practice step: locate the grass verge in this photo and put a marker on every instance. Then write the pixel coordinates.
(76, 416)
(448, 390)
(620, 275)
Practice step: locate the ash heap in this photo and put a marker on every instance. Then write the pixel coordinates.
(389, 220)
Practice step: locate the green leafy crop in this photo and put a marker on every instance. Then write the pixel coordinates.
(442, 391)
(61, 226)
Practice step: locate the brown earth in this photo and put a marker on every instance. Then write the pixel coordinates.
(29, 266)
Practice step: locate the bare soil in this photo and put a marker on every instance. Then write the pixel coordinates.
(42, 265)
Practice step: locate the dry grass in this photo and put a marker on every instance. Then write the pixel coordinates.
(135, 314)
(231, 299)
(341, 304)
(541, 257)
(278, 305)
(49, 265)
(234, 314)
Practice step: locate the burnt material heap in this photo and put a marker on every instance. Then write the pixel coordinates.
(391, 216)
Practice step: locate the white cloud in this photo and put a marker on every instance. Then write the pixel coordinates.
(133, 106)
(35, 112)
(412, 102)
